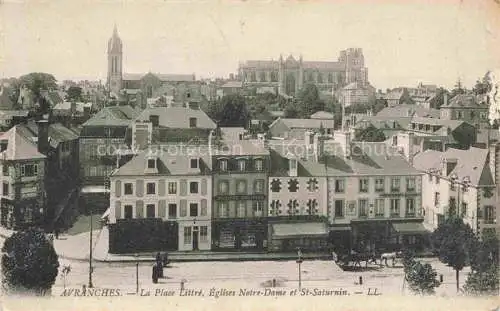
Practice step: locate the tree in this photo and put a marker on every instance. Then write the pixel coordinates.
(484, 265)
(230, 110)
(370, 134)
(483, 282)
(38, 81)
(458, 90)
(422, 278)
(74, 94)
(29, 263)
(452, 242)
(310, 101)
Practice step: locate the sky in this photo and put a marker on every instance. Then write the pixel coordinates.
(404, 42)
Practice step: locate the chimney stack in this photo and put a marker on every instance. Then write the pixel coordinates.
(43, 136)
(343, 138)
(445, 99)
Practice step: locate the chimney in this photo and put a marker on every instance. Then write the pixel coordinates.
(86, 112)
(73, 108)
(409, 148)
(343, 138)
(448, 165)
(43, 136)
(445, 99)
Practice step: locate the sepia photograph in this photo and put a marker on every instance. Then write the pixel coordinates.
(250, 155)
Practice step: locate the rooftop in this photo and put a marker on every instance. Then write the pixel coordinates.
(323, 115)
(464, 101)
(113, 116)
(178, 117)
(407, 110)
(18, 146)
(162, 77)
(305, 123)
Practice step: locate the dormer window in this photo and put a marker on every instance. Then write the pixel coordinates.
(194, 163)
(151, 164)
(293, 164)
(192, 122)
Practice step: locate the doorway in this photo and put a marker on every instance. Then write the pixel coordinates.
(195, 238)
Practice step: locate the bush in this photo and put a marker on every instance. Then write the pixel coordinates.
(29, 263)
(483, 282)
(421, 278)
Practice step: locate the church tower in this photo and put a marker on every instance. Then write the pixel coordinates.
(115, 61)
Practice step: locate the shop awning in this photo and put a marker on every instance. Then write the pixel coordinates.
(295, 230)
(410, 228)
(95, 189)
(340, 228)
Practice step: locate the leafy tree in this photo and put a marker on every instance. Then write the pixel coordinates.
(438, 100)
(310, 100)
(483, 282)
(38, 81)
(379, 104)
(370, 134)
(483, 85)
(74, 94)
(230, 111)
(29, 263)
(292, 110)
(422, 278)
(452, 242)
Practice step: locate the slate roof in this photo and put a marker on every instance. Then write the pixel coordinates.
(160, 76)
(397, 94)
(58, 133)
(357, 85)
(241, 148)
(322, 115)
(471, 163)
(386, 122)
(178, 117)
(452, 124)
(18, 146)
(464, 101)
(323, 65)
(261, 64)
(113, 116)
(407, 110)
(305, 123)
(169, 162)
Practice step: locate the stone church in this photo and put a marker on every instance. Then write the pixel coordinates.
(149, 85)
(290, 75)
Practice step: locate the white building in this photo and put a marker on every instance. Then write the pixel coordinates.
(458, 182)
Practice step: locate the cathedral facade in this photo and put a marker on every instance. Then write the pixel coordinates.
(290, 75)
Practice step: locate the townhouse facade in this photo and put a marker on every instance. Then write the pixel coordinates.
(161, 201)
(459, 183)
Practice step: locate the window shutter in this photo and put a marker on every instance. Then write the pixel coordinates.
(118, 188)
(203, 186)
(118, 209)
(183, 211)
(203, 211)
(161, 187)
(139, 188)
(162, 209)
(183, 186)
(232, 209)
(139, 209)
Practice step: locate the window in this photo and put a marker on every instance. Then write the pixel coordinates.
(242, 207)
(151, 163)
(155, 120)
(128, 212)
(29, 170)
(223, 209)
(241, 165)
(194, 163)
(395, 184)
(193, 210)
(293, 185)
(293, 164)
(187, 235)
(241, 186)
(363, 206)
(129, 189)
(463, 209)
(339, 208)
(259, 186)
(258, 208)
(5, 170)
(436, 199)
(410, 207)
(183, 211)
(192, 122)
(5, 189)
(150, 211)
(363, 185)
(395, 207)
(223, 187)
(379, 185)
(172, 187)
(259, 164)
(275, 185)
(379, 207)
(410, 184)
(172, 211)
(223, 165)
(193, 187)
(312, 185)
(203, 234)
(150, 188)
(339, 186)
(489, 214)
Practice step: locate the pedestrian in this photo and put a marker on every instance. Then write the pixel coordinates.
(57, 233)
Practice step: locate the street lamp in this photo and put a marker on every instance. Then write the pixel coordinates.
(137, 273)
(90, 251)
(299, 262)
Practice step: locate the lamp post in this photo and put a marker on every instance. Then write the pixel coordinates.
(90, 251)
(299, 262)
(137, 273)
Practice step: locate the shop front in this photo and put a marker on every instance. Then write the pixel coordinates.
(412, 235)
(288, 237)
(239, 235)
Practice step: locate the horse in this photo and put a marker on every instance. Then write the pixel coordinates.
(393, 256)
(357, 258)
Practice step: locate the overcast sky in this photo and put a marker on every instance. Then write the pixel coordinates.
(404, 42)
